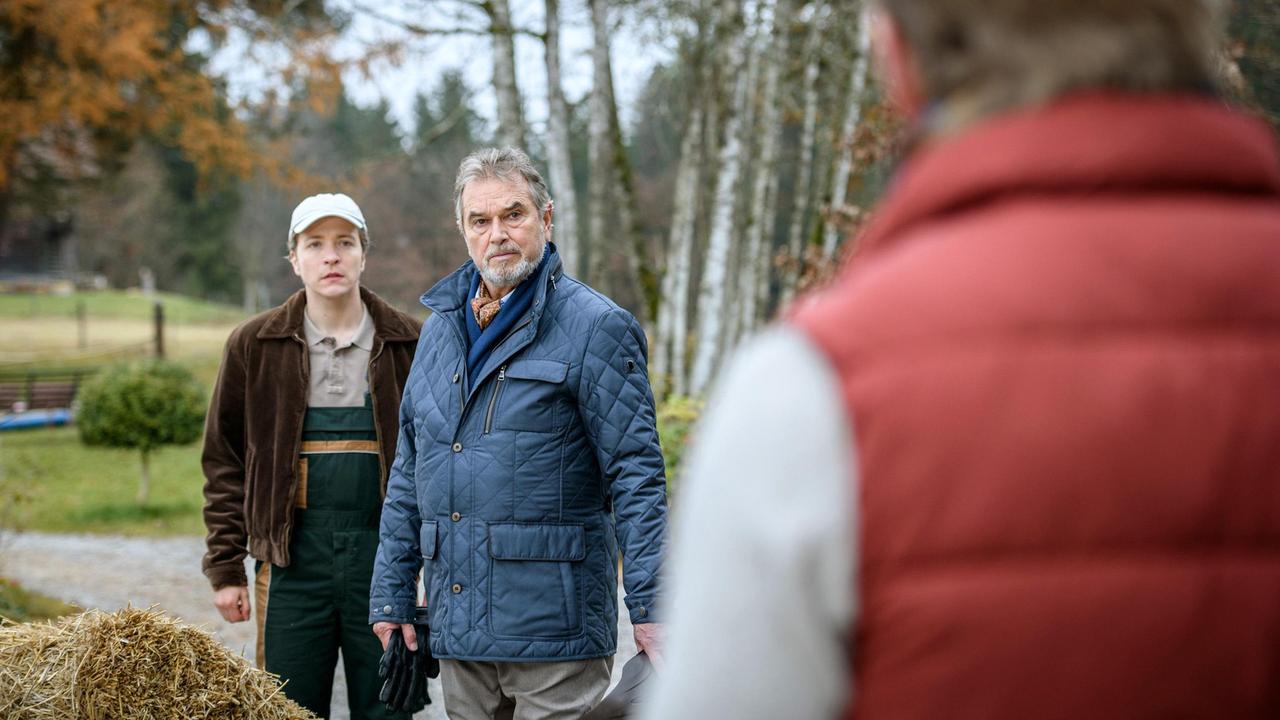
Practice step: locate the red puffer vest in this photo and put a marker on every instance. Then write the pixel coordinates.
(1061, 355)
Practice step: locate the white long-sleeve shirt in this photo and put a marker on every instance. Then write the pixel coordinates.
(762, 569)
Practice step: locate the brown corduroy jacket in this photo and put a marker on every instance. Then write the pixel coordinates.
(254, 429)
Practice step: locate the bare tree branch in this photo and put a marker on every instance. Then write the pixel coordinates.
(428, 31)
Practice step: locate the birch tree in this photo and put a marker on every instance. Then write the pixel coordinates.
(853, 114)
(510, 117)
(711, 307)
(560, 162)
(752, 271)
(678, 277)
(670, 351)
(598, 142)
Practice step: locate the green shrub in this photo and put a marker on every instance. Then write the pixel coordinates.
(676, 418)
(143, 405)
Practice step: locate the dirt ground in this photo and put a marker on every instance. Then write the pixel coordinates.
(112, 572)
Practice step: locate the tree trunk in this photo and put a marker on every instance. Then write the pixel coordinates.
(510, 117)
(711, 295)
(757, 46)
(660, 356)
(853, 115)
(643, 278)
(144, 484)
(808, 138)
(560, 162)
(598, 146)
(753, 270)
(674, 314)
(675, 297)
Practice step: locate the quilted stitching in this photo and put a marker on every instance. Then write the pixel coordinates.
(597, 448)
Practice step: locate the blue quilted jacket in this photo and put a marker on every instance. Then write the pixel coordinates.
(513, 494)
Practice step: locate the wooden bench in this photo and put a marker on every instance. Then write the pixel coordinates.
(36, 390)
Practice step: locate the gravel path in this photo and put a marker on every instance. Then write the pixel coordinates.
(109, 573)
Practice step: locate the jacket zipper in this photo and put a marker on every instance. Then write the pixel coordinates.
(493, 399)
(462, 399)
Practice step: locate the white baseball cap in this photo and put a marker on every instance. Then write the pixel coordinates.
(325, 205)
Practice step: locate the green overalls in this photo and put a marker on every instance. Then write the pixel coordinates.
(319, 603)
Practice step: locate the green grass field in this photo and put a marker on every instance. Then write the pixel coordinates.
(50, 482)
(118, 304)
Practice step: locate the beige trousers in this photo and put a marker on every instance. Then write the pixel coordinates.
(523, 691)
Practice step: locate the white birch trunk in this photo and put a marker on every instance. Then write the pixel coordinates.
(760, 41)
(711, 308)
(671, 351)
(808, 137)
(853, 115)
(753, 270)
(560, 161)
(510, 117)
(660, 354)
(598, 145)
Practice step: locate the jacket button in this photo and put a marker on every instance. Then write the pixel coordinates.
(457, 447)
(386, 608)
(456, 588)
(456, 376)
(456, 516)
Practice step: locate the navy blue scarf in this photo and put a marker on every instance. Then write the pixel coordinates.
(482, 342)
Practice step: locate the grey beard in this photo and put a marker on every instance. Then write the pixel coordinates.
(514, 275)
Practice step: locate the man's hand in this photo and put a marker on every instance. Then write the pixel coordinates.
(384, 629)
(649, 640)
(232, 603)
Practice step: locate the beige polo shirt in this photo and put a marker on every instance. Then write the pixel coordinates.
(339, 373)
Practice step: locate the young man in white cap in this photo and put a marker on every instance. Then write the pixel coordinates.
(300, 434)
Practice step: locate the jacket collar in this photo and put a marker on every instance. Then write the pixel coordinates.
(388, 326)
(452, 293)
(454, 290)
(1088, 143)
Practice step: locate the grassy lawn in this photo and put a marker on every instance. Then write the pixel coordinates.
(120, 304)
(51, 483)
(48, 480)
(41, 332)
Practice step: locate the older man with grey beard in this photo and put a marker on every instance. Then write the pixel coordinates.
(528, 457)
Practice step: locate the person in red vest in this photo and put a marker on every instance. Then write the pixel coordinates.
(1022, 458)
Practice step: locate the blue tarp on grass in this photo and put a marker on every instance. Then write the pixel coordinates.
(35, 419)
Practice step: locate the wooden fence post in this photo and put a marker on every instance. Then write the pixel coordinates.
(159, 329)
(82, 324)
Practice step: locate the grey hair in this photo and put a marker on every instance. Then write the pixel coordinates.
(985, 56)
(507, 163)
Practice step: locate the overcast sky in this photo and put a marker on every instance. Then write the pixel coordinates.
(634, 54)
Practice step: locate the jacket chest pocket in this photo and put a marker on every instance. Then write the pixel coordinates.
(535, 579)
(531, 395)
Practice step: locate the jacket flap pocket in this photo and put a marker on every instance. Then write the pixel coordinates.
(531, 541)
(553, 371)
(427, 539)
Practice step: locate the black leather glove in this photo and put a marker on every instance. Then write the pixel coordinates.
(405, 672)
(404, 687)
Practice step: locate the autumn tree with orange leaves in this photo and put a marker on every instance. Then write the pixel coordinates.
(81, 80)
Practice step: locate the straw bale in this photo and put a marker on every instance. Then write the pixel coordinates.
(132, 663)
